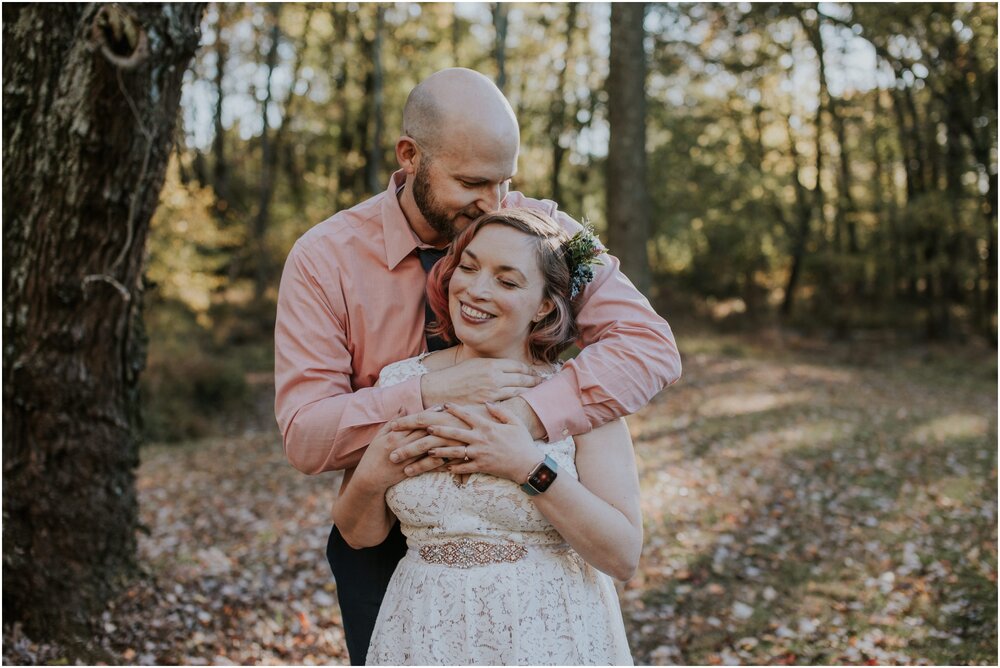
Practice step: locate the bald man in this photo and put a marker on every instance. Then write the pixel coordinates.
(351, 301)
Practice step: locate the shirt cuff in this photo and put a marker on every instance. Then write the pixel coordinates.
(557, 404)
(405, 395)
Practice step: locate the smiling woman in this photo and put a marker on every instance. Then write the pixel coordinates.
(504, 286)
(510, 540)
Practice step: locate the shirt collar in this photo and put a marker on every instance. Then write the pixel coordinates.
(400, 240)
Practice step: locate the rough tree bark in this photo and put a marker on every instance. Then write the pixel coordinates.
(627, 195)
(90, 100)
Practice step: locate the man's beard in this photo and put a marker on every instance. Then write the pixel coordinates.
(427, 204)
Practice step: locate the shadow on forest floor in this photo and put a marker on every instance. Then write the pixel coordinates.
(808, 507)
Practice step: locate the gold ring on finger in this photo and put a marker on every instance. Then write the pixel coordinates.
(466, 453)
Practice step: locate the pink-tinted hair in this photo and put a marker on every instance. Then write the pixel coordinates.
(552, 334)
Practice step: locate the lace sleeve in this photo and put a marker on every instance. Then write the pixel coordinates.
(397, 372)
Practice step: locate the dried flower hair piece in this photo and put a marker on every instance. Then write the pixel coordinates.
(581, 253)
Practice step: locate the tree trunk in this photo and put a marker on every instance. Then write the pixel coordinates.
(293, 169)
(90, 100)
(557, 109)
(884, 208)
(911, 171)
(500, 42)
(373, 165)
(846, 210)
(818, 198)
(220, 166)
(801, 232)
(456, 35)
(627, 195)
(272, 146)
(268, 164)
(343, 20)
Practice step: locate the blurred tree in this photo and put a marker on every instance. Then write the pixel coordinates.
(220, 167)
(782, 166)
(376, 104)
(500, 42)
(90, 100)
(557, 110)
(268, 157)
(628, 199)
(272, 144)
(807, 170)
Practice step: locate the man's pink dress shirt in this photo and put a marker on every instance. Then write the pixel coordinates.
(351, 301)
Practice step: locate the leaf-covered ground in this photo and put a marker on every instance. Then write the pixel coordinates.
(828, 505)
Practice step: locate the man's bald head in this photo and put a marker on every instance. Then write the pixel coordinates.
(458, 104)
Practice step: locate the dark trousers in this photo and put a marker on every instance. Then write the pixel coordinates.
(362, 577)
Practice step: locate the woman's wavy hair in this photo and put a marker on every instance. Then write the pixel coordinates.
(552, 334)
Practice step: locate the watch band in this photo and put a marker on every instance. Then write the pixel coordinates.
(541, 477)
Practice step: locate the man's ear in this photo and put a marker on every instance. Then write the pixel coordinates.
(407, 154)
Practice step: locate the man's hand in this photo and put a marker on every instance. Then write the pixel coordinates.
(477, 381)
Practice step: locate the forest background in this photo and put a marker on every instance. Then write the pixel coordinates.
(830, 168)
(815, 206)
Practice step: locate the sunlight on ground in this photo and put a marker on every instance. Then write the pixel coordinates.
(800, 513)
(744, 403)
(776, 442)
(823, 374)
(952, 426)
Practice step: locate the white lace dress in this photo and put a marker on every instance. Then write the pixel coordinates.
(487, 580)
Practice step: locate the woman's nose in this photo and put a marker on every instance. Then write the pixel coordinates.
(480, 287)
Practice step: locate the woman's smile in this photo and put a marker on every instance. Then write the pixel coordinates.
(496, 292)
(474, 314)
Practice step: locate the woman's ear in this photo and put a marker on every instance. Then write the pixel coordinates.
(544, 310)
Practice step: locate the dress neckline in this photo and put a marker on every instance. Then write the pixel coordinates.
(556, 366)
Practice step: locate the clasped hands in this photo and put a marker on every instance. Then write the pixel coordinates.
(494, 438)
(464, 439)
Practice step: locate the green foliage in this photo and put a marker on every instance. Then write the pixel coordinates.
(191, 388)
(876, 188)
(188, 247)
(884, 177)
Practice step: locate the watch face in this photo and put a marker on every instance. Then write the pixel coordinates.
(543, 478)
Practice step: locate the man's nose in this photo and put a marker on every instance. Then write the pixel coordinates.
(491, 197)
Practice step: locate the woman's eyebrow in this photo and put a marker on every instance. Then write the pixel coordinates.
(503, 267)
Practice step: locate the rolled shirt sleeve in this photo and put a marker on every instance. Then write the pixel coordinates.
(325, 421)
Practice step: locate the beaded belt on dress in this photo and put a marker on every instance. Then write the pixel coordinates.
(466, 553)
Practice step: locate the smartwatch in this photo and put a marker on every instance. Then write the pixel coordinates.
(541, 477)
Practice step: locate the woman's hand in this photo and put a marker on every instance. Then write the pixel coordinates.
(496, 443)
(376, 469)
